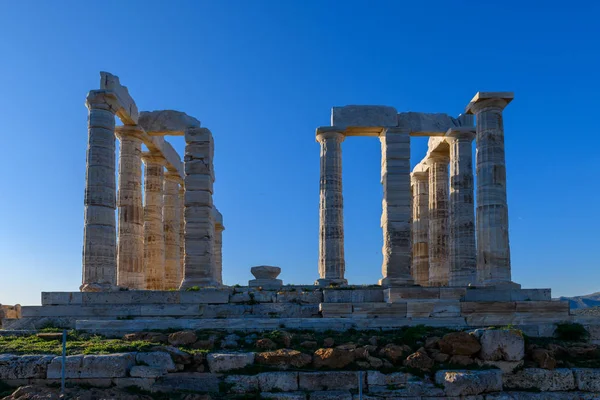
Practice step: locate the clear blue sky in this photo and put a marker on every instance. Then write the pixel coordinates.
(262, 75)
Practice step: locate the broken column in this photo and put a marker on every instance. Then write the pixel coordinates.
(171, 223)
(462, 252)
(219, 228)
(199, 262)
(396, 214)
(420, 226)
(332, 265)
(493, 251)
(130, 244)
(438, 219)
(154, 238)
(100, 236)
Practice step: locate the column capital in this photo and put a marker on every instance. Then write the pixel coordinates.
(153, 158)
(330, 132)
(461, 133)
(130, 132)
(174, 177)
(434, 158)
(102, 100)
(419, 176)
(483, 100)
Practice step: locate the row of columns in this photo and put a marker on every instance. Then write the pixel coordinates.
(429, 226)
(149, 251)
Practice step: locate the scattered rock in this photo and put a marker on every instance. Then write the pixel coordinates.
(560, 379)
(328, 342)
(332, 358)
(361, 353)
(204, 344)
(463, 383)
(543, 358)
(143, 371)
(230, 341)
(309, 344)
(507, 367)
(432, 342)
(583, 350)
(178, 356)
(266, 344)
(156, 359)
(394, 352)
(375, 362)
(502, 345)
(459, 344)
(373, 340)
(182, 338)
(283, 358)
(50, 336)
(419, 360)
(221, 362)
(154, 337)
(441, 357)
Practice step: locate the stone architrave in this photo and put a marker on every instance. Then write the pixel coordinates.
(130, 244)
(172, 231)
(420, 226)
(154, 238)
(493, 250)
(396, 207)
(332, 265)
(199, 262)
(99, 270)
(462, 252)
(219, 228)
(438, 219)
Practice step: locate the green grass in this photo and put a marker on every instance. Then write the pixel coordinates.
(571, 332)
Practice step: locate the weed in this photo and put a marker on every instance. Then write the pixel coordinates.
(569, 331)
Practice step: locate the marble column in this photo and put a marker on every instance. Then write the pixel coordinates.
(332, 265)
(181, 231)
(219, 228)
(199, 263)
(172, 230)
(462, 252)
(493, 250)
(130, 244)
(154, 237)
(99, 270)
(438, 219)
(396, 207)
(420, 228)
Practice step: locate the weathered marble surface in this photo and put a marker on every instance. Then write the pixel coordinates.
(427, 124)
(332, 264)
(167, 122)
(420, 228)
(438, 219)
(124, 106)
(219, 228)
(363, 116)
(172, 230)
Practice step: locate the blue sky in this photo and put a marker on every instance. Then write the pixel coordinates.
(262, 75)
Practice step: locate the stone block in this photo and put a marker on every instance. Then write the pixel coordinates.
(23, 367)
(427, 124)
(285, 310)
(225, 311)
(206, 296)
(329, 380)
(335, 310)
(452, 293)
(502, 345)
(587, 379)
(488, 307)
(284, 396)
(142, 383)
(188, 381)
(353, 296)
(156, 359)
(543, 307)
(130, 297)
(107, 366)
(143, 371)
(166, 122)
(331, 395)
(379, 310)
(61, 298)
(493, 294)
(258, 296)
(72, 367)
(560, 379)
(81, 311)
(300, 297)
(125, 107)
(269, 284)
(464, 383)
(376, 378)
(356, 116)
(242, 384)
(433, 308)
(401, 294)
(222, 362)
(278, 381)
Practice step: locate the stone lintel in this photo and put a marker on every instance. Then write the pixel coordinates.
(364, 116)
(167, 122)
(427, 124)
(481, 96)
(463, 132)
(218, 217)
(127, 110)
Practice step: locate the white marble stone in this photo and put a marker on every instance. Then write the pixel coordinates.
(420, 228)
(438, 219)
(167, 122)
(363, 116)
(172, 230)
(124, 107)
(427, 124)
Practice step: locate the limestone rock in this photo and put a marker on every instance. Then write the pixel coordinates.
(106, 366)
(156, 359)
(419, 360)
(426, 124)
(394, 352)
(333, 358)
(363, 116)
(143, 371)
(459, 343)
(543, 358)
(461, 360)
(265, 272)
(463, 383)
(222, 362)
(375, 378)
(283, 358)
(242, 384)
(182, 338)
(166, 122)
(23, 367)
(328, 380)
(280, 381)
(154, 337)
(187, 381)
(587, 379)
(432, 342)
(331, 395)
(507, 367)
(309, 344)
(178, 356)
(328, 342)
(502, 344)
(283, 396)
(266, 344)
(560, 379)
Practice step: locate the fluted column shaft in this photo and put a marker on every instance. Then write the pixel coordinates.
(219, 228)
(493, 249)
(332, 265)
(462, 252)
(396, 207)
(171, 224)
(420, 226)
(99, 270)
(438, 220)
(154, 238)
(181, 231)
(199, 262)
(130, 244)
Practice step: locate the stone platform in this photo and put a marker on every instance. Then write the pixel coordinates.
(296, 307)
